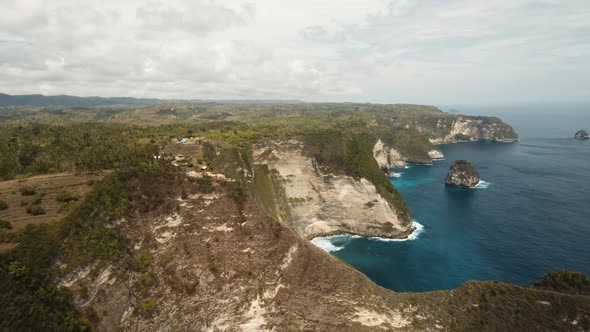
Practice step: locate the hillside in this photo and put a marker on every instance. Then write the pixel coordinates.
(167, 252)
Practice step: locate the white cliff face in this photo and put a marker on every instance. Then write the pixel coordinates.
(387, 157)
(475, 129)
(325, 204)
(436, 155)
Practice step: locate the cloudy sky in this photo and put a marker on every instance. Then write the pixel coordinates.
(430, 51)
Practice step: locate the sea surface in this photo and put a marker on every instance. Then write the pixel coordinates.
(529, 216)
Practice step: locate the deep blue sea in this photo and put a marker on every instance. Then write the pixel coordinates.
(530, 216)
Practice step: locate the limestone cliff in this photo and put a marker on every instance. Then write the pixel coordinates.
(462, 174)
(324, 204)
(387, 157)
(469, 128)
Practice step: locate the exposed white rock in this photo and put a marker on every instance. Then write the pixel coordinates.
(330, 204)
(387, 157)
(474, 128)
(436, 155)
(391, 319)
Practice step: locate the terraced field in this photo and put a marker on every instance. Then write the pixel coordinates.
(45, 189)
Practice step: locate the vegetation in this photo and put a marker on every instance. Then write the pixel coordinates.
(565, 281)
(35, 210)
(205, 184)
(3, 205)
(66, 197)
(5, 224)
(28, 191)
(410, 143)
(148, 305)
(29, 301)
(40, 149)
(143, 260)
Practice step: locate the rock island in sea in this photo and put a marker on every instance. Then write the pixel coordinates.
(462, 174)
(582, 134)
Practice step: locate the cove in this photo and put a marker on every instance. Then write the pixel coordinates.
(528, 217)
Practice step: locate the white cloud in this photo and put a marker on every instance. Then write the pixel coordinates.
(372, 50)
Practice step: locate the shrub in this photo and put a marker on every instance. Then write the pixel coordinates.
(205, 184)
(148, 305)
(37, 200)
(27, 191)
(35, 210)
(66, 197)
(3, 205)
(146, 279)
(5, 224)
(84, 293)
(143, 260)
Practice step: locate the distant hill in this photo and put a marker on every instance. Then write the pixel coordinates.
(73, 101)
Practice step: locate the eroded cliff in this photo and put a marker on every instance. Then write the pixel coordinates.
(324, 203)
(217, 262)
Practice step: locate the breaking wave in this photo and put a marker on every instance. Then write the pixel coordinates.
(325, 244)
(338, 242)
(419, 229)
(483, 185)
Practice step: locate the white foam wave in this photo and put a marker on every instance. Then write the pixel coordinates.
(483, 185)
(325, 243)
(396, 175)
(418, 229)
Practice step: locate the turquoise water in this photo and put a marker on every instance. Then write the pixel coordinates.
(530, 217)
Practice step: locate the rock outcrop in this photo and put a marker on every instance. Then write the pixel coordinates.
(465, 128)
(387, 157)
(462, 174)
(436, 155)
(582, 134)
(327, 204)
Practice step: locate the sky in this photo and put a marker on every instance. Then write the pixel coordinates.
(382, 51)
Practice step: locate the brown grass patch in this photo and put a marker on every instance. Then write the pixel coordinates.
(47, 187)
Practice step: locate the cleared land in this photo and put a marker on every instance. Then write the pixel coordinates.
(46, 189)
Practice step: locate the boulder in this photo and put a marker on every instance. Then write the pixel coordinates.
(582, 134)
(462, 174)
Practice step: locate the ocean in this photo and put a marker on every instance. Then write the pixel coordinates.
(529, 216)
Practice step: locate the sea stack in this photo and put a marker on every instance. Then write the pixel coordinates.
(462, 174)
(582, 134)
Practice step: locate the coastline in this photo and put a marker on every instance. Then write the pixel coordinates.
(507, 141)
(400, 236)
(323, 241)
